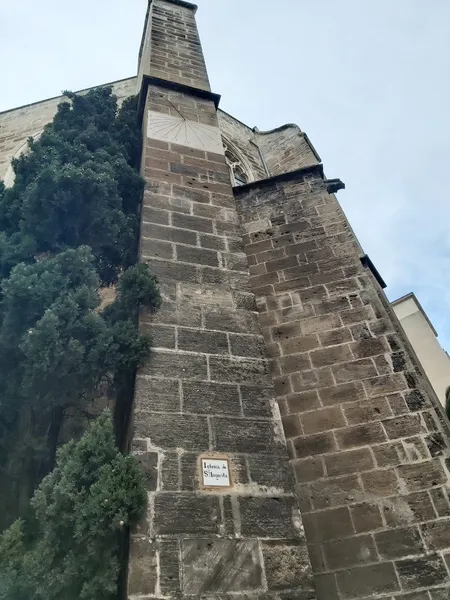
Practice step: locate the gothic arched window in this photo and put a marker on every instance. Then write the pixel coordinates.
(237, 172)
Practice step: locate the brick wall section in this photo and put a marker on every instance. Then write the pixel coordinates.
(286, 149)
(368, 448)
(206, 388)
(175, 52)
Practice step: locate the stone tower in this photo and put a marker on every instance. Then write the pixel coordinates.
(293, 448)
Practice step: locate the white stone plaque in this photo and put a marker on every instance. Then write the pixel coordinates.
(215, 472)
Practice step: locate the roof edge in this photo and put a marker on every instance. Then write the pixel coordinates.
(277, 129)
(61, 95)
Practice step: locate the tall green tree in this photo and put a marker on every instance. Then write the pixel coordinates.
(68, 229)
(67, 547)
(77, 186)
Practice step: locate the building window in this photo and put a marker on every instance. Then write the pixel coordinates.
(237, 173)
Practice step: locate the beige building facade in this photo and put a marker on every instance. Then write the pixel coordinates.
(423, 338)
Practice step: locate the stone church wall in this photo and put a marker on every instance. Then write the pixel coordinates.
(286, 149)
(18, 124)
(206, 390)
(368, 444)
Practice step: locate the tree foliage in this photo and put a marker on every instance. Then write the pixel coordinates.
(69, 228)
(77, 186)
(67, 547)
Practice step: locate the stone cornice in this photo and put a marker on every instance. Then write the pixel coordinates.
(333, 185)
(368, 264)
(181, 88)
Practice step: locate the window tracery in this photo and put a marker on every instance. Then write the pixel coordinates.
(237, 172)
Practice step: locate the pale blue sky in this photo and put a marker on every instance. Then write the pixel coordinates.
(367, 80)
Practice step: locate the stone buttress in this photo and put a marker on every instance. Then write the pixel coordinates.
(366, 438)
(206, 392)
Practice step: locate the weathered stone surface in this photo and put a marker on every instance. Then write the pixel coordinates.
(170, 270)
(403, 426)
(437, 534)
(157, 249)
(422, 572)
(323, 420)
(169, 469)
(441, 501)
(314, 444)
(422, 475)
(193, 340)
(162, 336)
(382, 483)
(366, 411)
(366, 517)
(211, 398)
(142, 573)
(287, 566)
(251, 372)
(331, 356)
(328, 524)
(303, 401)
(149, 465)
(349, 552)
(360, 582)
(220, 566)
(267, 517)
(186, 514)
(345, 392)
(193, 223)
(354, 371)
(257, 401)
(308, 469)
(353, 461)
(247, 345)
(169, 567)
(335, 491)
(270, 472)
(157, 394)
(245, 435)
(173, 431)
(396, 543)
(326, 586)
(360, 435)
(405, 509)
(174, 364)
(292, 426)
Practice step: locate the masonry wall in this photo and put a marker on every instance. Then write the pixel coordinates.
(286, 149)
(18, 124)
(368, 447)
(170, 48)
(206, 390)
